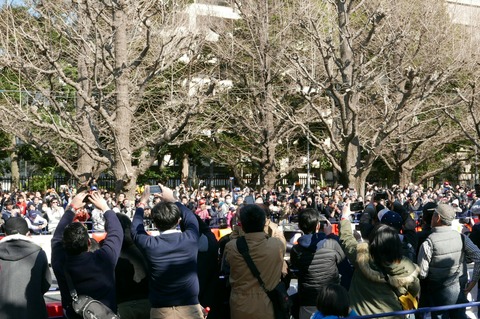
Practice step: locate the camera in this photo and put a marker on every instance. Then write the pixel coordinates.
(379, 196)
(357, 206)
(155, 189)
(86, 200)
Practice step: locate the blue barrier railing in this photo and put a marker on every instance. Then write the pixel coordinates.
(419, 310)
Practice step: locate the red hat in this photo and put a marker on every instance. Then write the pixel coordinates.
(202, 202)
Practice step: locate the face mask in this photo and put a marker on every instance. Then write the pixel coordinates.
(228, 201)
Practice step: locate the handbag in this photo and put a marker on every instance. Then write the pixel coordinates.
(90, 308)
(280, 299)
(408, 301)
(86, 306)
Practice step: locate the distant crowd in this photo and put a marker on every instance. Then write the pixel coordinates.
(395, 249)
(217, 206)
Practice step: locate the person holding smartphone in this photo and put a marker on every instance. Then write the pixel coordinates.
(316, 258)
(171, 256)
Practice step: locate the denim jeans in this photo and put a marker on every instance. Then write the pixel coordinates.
(449, 295)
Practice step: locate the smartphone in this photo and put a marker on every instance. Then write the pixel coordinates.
(379, 196)
(155, 189)
(356, 206)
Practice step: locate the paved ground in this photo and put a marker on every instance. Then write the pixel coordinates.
(54, 293)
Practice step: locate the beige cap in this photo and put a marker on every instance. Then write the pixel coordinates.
(446, 212)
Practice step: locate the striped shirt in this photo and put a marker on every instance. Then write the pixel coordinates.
(471, 253)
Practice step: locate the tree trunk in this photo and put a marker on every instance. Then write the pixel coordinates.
(14, 165)
(123, 170)
(85, 165)
(269, 171)
(404, 175)
(269, 176)
(352, 174)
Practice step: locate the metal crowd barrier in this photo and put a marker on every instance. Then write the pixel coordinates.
(420, 310)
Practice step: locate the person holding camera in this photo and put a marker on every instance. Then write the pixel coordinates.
(36, 223)
(381, 272)
(92, 272)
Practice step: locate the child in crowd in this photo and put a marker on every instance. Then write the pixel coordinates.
(333, 303)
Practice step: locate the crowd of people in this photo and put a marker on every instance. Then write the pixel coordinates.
(392, 243)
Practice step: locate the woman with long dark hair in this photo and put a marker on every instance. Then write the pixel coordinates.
(382, 274)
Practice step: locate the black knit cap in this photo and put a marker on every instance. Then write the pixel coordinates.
(392, 219)
(16, 225)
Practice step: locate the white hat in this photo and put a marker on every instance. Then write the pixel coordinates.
(457, 208)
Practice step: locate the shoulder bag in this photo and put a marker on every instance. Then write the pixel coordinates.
(86, 306)
(280, 299)
(408, 301)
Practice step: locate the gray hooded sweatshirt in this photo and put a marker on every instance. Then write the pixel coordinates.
(24, 278)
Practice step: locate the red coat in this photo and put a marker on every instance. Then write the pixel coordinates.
(23, 207)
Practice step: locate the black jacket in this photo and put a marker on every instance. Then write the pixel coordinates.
(316, 258)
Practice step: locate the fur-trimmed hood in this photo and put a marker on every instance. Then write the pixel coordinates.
(400, 275)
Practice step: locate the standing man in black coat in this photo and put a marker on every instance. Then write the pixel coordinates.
(316, 259)
(24, 274)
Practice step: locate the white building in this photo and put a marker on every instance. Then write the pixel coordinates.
(467, 13)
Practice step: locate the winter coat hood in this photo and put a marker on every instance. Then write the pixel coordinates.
(399, 275)
(312, 241)
(17, 247)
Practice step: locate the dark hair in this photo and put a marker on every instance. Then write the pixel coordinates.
(165, 216)
(253, 218)
(75, 238)
(427, 214)
(267, 210)
(127, 229)
(16, 225)
(385, 245)
(308, 220)
(332, 300)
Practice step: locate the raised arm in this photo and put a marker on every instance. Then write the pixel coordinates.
(67, 218)
(347, 240)
(114, 238)
(137, 224)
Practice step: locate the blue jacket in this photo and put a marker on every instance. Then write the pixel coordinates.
(93, 273)
(319, 315)
(172, 260)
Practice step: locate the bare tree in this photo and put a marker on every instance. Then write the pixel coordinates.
(367, 67)
(249, 133)
(101, 85)
(434, 142)
(464, 108)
